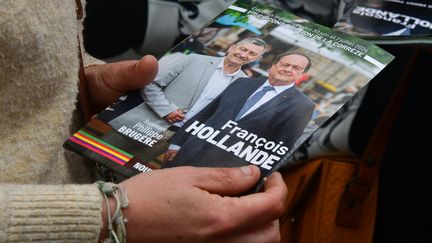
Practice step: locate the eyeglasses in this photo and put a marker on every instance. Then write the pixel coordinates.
(294, 67)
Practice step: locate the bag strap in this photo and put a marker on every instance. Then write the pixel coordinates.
(84, 98)
(352, 201)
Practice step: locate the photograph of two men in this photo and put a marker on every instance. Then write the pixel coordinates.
(248, 88)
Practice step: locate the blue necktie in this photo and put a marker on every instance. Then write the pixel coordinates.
(253, 100)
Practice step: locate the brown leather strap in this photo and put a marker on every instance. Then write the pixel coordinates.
(351, 204)
(79, 9)
(84, 98)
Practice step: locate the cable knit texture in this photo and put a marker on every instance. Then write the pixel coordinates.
(38, 86)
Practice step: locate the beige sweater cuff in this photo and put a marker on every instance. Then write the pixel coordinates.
(50, 213)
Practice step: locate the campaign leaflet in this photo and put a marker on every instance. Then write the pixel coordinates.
(397, 21)
(248, 88)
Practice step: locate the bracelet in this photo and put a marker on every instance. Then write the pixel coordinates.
(109, 189)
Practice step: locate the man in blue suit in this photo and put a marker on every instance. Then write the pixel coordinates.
(271, 109)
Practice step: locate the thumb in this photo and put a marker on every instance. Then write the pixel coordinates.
(227, 181)
(131, 75)
(115, 79)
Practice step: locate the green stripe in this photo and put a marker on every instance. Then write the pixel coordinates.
(85, 134)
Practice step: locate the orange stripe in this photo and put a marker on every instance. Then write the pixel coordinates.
(102, 147)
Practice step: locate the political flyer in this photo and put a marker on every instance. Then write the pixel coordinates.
(248, 88)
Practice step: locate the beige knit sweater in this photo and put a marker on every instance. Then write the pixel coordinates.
(38, 85)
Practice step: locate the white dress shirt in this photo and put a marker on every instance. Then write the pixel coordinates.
(217, 83)
(268, 95)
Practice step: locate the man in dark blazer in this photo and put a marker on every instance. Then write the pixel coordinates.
(271, 108)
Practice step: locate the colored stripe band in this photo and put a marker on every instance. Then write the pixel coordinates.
(88, 135)
(103, 145)
(96, 150)
(99, 146)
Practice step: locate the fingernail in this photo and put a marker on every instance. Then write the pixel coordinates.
(247, 170)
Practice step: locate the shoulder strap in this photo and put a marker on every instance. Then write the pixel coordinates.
(84, 99)
(351, 204)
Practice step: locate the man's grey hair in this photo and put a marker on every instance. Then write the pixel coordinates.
(255, 41)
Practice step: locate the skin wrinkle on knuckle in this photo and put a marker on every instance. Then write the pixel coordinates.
(107, 74)
(280, 208)
(97, 78)
(277, 208)
(219, 217)
(225, 177)
(274, 206)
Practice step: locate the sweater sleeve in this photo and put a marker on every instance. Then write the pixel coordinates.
(50, 213)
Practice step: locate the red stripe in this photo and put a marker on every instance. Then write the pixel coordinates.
(102, 145)
(96, 150)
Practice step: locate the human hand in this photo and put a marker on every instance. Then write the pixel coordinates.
(191, 204)
(169, 155)
(107, 82)
(174, 116)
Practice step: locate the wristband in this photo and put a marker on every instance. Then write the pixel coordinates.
(116, 224)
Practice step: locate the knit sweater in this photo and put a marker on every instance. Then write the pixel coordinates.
(38, 87)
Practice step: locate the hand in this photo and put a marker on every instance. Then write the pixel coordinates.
(174, 116)
(191, 204)
(106, 83)
(169, 155)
